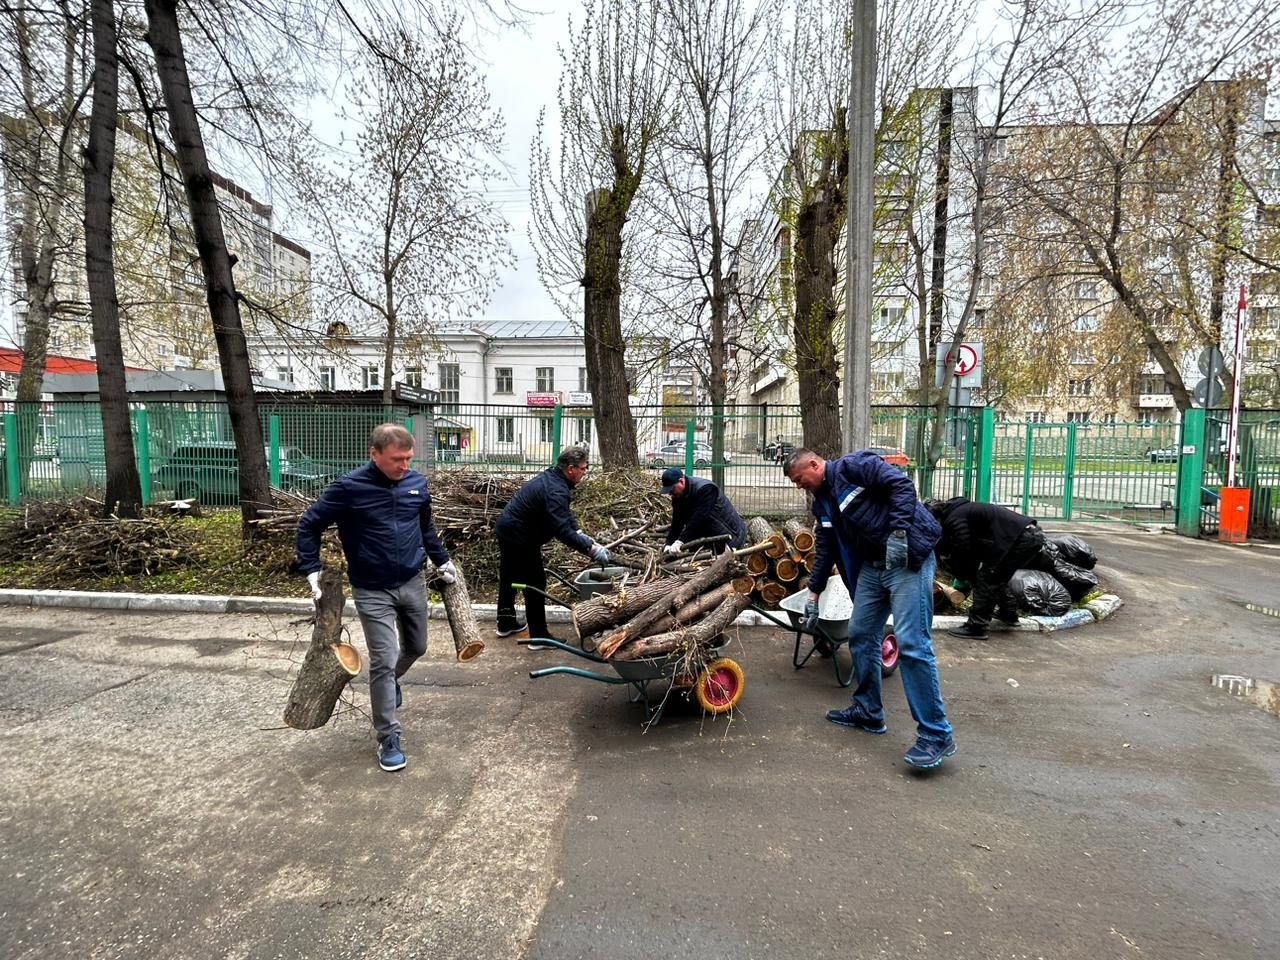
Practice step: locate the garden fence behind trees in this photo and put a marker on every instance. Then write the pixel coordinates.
(1059, 471)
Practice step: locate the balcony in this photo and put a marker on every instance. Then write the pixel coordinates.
(1154, 401)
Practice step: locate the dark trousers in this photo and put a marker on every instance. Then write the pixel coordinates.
(521, 563)
(991, 586)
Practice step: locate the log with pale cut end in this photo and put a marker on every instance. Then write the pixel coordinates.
(704, 633)
(462, 619)
(778, 546)
(607, 609)
(721, 571)
(744, 585)
(759, 529)
(801, 537)
(329, 663)
(786, 570)
(773, 593)
(757, 564)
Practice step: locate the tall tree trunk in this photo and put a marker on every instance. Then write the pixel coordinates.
(819, 218)
(602, 329)
(206, 223)
(124, 492)
(1225, 221)
(927, 458)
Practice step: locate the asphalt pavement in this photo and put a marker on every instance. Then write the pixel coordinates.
(1106, 801)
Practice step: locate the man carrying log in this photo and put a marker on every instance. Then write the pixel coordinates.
(538, 512)
(871, 524)
(698, 510)
(383, 513)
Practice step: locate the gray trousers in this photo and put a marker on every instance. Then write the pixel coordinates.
(380, 612)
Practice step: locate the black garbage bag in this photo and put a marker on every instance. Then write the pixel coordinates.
(1078, 581)
(1075, 550)
(1039, 592)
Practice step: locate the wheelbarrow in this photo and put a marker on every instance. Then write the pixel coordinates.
(831, 632)
(717, 686)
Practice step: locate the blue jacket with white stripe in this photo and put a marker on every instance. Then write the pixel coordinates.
(385, 527)
(861, 502)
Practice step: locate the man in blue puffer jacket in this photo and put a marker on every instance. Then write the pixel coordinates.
(383, 513)
(871, 524)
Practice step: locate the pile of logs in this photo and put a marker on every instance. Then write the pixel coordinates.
(783, 565)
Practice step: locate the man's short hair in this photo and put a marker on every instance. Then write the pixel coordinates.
(390, 435)
(572, 457)
(794, 458)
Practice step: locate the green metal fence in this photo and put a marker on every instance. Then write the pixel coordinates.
(1257, 467)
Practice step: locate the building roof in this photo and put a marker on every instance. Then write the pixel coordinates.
(11, 362)
(531, 329)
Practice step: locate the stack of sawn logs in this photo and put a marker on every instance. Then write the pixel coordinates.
(690, 611)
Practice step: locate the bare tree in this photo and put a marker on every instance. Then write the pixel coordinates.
(612, 107)
(412, 237)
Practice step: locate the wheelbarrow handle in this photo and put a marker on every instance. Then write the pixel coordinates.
(786, 624)
(561, 645)
(576, 672)
(542, 593)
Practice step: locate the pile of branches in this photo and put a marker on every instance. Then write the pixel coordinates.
(74, 537)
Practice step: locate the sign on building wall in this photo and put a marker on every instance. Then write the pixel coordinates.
(577, 398)
(535, 399)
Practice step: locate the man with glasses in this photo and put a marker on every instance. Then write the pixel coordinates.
(538, 512)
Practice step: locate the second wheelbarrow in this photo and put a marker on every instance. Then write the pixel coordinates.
(832, 631)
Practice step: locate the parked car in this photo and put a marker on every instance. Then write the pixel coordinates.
(672, 455)
(1163, 455)
(892, 455)
(777, 450)
(209, 471)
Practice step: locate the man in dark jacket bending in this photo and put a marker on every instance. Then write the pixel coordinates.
(986, 544)
(538, 512)
(699, 509)
(383, 513)
(870, 523)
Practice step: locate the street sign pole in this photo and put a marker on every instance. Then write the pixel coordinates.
(1234, 424)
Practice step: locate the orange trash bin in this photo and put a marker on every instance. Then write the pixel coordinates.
(1233, 515)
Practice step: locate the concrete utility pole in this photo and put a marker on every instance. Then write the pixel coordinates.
(857, 288)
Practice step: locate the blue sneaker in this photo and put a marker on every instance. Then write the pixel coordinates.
(927, 754)
(399, 696)
(852, 716)
(390, 756)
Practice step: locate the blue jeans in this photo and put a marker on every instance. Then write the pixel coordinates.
(908, 595)
(381, 612)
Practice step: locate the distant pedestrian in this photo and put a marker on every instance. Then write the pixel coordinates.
(699, 509)
(383, 513)
(871, 524)
(537, 513)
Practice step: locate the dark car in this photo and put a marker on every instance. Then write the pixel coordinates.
(209, 471)
(777, 450)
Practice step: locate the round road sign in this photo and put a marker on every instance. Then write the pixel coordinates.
(964, 360)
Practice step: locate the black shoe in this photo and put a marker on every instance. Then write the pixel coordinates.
(969, 631)
(506, 630)
(852, 716)
(927, 754)
(1007, 617)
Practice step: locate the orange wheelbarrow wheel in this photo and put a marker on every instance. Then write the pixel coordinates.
(720, 685)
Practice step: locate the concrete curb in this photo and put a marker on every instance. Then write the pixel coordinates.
(1097, 609)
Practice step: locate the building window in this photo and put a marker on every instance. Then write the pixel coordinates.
(1087, 290)
(1000, 148)
(546, 429)
(371, 376)
(582, 379)
(979, 318)
(413, 377)
(502, 380)
(546, 379)
(1080, 388)
(1146, 418)
(328, 378)
(1153, 383)
(1038, 324)
(1082, 354)
(506, 429)
(285, 374)
(582, 430)
(1085, 323)
(890, 317)
(1077, 416)
(1036, 416)
(449, 378)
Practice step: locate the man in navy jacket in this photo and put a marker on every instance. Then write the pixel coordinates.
(871, 524)
(538, 512)
(383, 513)
(699, 509)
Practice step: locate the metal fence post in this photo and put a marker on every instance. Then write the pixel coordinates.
(1026, 469)
(557, 425)
(1190, 472)
(11, 457)
(688, 448)
(966, 478)
(144, 453)
(273, 452)
(986, 454)
(1069, 472)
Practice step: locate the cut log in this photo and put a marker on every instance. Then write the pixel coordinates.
(778, 546)
(757, 564)
(329, 663)
(702, 633)
(786, 570)
(692, 611)
(462, 619)
(744, 585)
(721, 571)
(773, 593)
(759, 529)
(607, 609)
(801, 537)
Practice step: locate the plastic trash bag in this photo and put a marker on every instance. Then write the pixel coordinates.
(1074, 550)
(1078, 581)
(1038, 592)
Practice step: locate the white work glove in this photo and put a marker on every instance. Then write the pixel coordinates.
(600, 554)
(447, 573)
(671, 549)
(314, 580)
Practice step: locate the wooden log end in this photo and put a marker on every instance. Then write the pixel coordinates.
(777, 546)
(786, 570)
(348, 657)
(471, 651)
(744, 586)
(757, 564)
